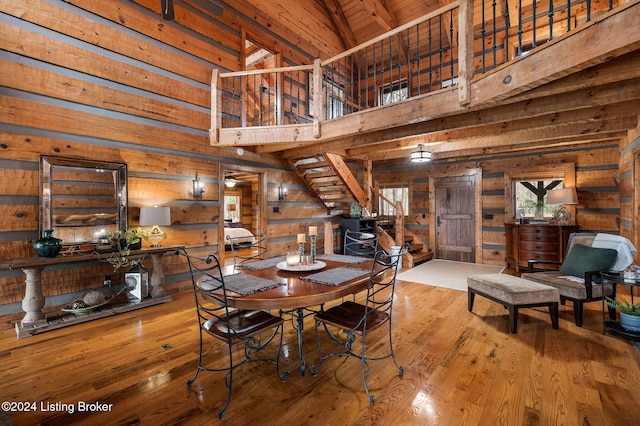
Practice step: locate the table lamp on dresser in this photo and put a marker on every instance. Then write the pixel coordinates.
(563, 197)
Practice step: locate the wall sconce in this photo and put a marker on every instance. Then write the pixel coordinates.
(282, 192)
(420, 156)
(198, 188)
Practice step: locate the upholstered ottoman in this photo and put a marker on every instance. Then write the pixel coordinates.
(514, 293)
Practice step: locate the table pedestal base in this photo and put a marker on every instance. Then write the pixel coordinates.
(297, 319)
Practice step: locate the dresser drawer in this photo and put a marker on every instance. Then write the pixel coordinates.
(542, 246)
(538, 233)
(536, 255)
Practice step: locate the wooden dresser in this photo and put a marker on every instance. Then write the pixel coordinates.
(536, 242)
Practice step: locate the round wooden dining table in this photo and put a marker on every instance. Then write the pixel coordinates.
(296, 295)
(297, 292)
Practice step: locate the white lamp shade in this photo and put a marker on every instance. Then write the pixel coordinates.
(152, 216)
(562, 196)
(420, 156)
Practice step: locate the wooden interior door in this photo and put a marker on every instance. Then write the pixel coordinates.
(455, 218)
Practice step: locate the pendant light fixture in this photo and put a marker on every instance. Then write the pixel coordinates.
(420, 156)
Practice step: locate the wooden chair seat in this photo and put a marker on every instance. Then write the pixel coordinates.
(350, 315)
(243, 323)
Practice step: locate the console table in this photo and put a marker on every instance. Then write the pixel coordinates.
(34, 321)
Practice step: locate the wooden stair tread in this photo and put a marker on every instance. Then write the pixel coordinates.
(421, 257)
(318, 174)
(308, 167)
(416, 247)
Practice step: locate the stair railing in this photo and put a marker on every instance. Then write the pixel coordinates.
(398, 214)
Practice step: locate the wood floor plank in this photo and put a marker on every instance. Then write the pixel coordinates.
(460, 368)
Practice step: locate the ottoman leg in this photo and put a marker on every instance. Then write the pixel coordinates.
(470, 298)
(553, 311)
(513, 318)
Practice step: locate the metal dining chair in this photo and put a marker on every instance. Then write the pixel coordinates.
(247, 250)
(360, 243)
(244, 329)
(349, 320)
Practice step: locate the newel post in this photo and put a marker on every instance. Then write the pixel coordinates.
(317, 97)
(465, 51)
(216, 105)
(399, 224)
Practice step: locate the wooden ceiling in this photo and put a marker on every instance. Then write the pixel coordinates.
(596, 103)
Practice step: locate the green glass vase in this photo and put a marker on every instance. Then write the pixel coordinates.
(48, 246)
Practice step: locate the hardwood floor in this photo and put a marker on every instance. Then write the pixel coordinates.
(461, 368)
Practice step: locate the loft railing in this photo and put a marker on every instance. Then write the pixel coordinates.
(439, 50)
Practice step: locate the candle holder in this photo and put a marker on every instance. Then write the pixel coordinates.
(301, 249)
(313, 248)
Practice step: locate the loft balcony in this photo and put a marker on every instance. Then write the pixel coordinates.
(464, 57)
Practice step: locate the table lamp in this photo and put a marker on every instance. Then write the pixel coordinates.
(562, 196)
(155, 217)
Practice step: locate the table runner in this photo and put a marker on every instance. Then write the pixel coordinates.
(335, 276)
(344, 258)
(262, 264)
(248, 284)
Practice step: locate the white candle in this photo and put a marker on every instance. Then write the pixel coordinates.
(302, 238)
(293, 258)
(313, 230)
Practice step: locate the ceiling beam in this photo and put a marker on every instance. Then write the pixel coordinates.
(502, 126)
(549, 133)
(379, 12)
(340, 21)
(566, 143)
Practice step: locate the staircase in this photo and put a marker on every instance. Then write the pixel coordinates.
(331, 181)
(418, 252)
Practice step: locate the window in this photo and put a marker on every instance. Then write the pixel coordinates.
(393, 194)
(531, 196)
(394, 92)
(563, 173)
(336, 106)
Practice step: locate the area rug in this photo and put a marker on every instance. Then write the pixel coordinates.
(447, 273)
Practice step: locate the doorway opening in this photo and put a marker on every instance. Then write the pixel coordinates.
(260, 90)
(242, 204)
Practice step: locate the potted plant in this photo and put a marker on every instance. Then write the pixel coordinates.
(124, 242)
(356, 209)
(131, 239)
(629, 313)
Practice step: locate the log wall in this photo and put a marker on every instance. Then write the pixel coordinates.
(603, 182)
(111, 81)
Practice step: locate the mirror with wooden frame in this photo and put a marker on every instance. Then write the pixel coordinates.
(82, 201)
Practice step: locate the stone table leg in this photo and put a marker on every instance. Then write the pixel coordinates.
(157, 277)
(33, 301)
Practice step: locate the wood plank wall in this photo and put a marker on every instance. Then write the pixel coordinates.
(109, 80)
(604, 182)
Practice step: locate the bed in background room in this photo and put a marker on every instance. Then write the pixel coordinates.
(240, 235)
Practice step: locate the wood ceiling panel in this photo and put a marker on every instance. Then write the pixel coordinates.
(307, 18)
